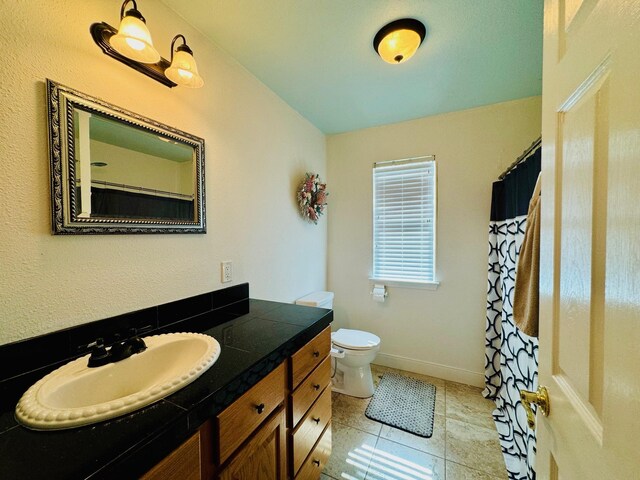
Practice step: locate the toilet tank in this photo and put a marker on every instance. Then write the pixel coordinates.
(317, 299)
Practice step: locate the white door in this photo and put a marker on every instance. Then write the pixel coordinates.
(590, 241)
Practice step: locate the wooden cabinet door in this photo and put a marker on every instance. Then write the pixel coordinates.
(264, 456)
(182, 464)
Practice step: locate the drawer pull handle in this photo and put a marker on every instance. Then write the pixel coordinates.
(317, 420)
(316, 354)
(316, 386)
(260, 408)
(316, 462)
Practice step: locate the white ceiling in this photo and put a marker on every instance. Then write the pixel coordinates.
(317, 54)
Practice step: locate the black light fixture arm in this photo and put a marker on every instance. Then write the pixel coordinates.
(134, 12)
(181, 48)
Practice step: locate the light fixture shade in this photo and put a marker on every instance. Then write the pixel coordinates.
(398, 41)
(183, 69)
(133, 39)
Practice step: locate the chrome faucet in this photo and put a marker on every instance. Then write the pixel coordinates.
(120, 350)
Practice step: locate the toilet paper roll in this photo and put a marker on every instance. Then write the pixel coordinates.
(379, 293)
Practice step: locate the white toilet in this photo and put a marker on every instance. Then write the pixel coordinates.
(352, 352)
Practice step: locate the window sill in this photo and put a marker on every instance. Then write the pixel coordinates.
(406, 283)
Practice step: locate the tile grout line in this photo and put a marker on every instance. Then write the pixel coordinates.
(355, 428)
(366, 474)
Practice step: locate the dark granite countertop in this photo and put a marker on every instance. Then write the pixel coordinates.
(255, 336)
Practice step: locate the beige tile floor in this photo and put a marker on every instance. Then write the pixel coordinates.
(464, 445)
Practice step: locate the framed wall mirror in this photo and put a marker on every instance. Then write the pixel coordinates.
(114, 171)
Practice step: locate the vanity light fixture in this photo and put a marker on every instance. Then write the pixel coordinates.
(131, 44)
(398, 41)
(183, 70)
(133, 39)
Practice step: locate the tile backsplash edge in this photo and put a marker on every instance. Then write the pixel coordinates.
(51, 349)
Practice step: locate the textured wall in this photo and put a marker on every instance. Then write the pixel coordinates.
(257, 148)
(435, 332)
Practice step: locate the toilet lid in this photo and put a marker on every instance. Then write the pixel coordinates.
(354, 339)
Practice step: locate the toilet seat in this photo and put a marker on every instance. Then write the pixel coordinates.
(354, 339)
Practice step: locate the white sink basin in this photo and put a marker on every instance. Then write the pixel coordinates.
(75, 395)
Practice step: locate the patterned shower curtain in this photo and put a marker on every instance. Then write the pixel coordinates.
(511, 358)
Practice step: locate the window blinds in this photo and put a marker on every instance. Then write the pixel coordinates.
(404, 220)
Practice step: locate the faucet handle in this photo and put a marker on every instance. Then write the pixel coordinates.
(96, 344)
(99, 354)
(137, 344)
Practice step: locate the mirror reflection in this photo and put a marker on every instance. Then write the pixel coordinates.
(126, 172)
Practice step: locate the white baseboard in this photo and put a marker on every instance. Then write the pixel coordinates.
(453, 374)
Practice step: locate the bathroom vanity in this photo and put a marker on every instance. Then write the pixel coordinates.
(263, 410)
(286, 415)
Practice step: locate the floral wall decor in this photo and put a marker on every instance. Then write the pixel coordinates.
(312, 197)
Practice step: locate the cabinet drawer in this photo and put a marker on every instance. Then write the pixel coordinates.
(317, 459)
(310, 429)
(241, 418)
(306, 359)
(309, 390)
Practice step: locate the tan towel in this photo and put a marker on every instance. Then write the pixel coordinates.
(525, 297)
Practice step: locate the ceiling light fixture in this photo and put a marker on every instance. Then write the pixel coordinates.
(131, 44)
(398, 41)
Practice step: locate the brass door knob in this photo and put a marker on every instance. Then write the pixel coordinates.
(539, 398)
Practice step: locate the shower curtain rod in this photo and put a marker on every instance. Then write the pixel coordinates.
(522, 157)
(137, 189)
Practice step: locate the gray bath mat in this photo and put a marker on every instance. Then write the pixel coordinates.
(404, 403)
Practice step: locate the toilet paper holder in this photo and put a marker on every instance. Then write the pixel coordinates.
(379, 292)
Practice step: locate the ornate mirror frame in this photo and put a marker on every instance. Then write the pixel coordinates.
(61, 103)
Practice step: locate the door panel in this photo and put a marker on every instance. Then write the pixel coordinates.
(589, 357)
(578, 343)
(572, 15)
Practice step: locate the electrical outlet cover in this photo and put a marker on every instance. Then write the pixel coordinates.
(226, 271)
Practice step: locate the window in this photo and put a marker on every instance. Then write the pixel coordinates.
(404, 201)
